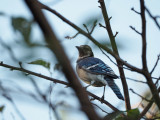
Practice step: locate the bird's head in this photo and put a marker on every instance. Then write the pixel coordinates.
(84, 51)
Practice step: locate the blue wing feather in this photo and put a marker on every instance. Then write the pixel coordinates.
(96, 66)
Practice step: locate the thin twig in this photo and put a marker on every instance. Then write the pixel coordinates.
(86, 28)
(102, 101)
(99, 108)
(9, 50)
(112, 60)
(156, 83)
(72, 37)
(116, 34)
(93, 27)
(139, 95)
(134, 29)
(135, 11)
(7, 96)
(155, 78)
(37, 89)
(100, 25)
(158, 58)
(153, 17)
(107, 56)
(136, 80)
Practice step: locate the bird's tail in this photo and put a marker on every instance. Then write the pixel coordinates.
(114, 87)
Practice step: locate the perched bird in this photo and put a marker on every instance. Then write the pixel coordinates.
(95, 72)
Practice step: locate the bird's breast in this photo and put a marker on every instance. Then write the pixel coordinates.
(98, 80)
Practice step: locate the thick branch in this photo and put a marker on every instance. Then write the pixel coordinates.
(144, 43)
(115, 49)
(55, 81)
(56, 48)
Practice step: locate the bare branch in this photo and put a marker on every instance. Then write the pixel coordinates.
(135, 11)
(7, 96)
(139, 95)
(93, 27)
(144, 59)
(144, 44)
(133, 28)
(72, 37)
(102, 101)
(100, 25)
(153, 17)
(86, 28)
(136, 80)
(115, 49)
(158, 58)
(156, 83)
(116, 34)
(9, 50)
(111, 59)
(99, 108)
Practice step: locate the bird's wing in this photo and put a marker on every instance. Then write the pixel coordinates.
(96, 66)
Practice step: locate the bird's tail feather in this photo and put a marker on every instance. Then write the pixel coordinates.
(115, 88)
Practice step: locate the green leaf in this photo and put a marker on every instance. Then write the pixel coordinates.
(133, 114)
(41, 62)
(2, 108)
(23, 26)
(113, 115)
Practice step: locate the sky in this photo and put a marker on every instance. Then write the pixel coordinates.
(77, 12)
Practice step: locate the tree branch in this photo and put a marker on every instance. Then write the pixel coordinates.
(56, 48)
(145, 110)
(55, 81)
(134, 29)
(143, 98)
(115, 49)
(144, 43)
(154, 18)
(135, 11)
(158, 58)
(144, 59)
(91, 38)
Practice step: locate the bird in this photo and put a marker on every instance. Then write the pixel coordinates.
(95, 72)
